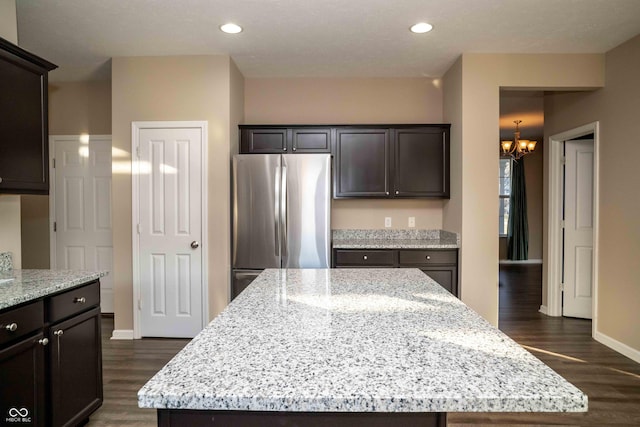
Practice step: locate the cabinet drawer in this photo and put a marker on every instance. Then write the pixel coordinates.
(365, 258)
(23, 321)
(74, 301)
(431, 256)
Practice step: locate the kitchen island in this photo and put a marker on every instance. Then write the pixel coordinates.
(346, 347)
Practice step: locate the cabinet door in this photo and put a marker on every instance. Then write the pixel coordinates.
(307, 140)
(447, 277)
(263, 141)
(76, 368)
(421, 166)
(361, 163)
(22, 385)
(24, 158)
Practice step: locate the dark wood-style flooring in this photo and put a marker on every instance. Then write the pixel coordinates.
(611, 380)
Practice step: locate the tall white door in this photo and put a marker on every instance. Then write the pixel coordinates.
(82, 200)
(578, 229)
(170, 230)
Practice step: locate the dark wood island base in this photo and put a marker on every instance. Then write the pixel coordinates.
(201, 418)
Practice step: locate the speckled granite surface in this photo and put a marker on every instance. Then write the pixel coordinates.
(6, 262)
(394, 239)
(355, 340)
(30, 285)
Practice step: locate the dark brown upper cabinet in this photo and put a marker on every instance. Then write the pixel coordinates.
(361, 163)
(24, 145)
(264, 139)
(421, 162)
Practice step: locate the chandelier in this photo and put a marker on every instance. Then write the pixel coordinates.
(518, 147)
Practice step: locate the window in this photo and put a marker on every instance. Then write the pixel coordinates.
(505, 191)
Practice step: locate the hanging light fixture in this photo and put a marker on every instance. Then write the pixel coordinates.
(518, 147)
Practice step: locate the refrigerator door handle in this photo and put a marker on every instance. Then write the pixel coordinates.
(276, 204)
(283, 210)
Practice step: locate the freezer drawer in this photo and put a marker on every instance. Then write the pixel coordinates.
(240, 279)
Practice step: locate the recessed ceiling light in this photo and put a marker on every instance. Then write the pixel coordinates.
(421, 27)
(230, 28)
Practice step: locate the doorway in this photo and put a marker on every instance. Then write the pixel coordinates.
(169, 209)
(569, 256)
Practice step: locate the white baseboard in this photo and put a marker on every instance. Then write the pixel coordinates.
(122, 334)
(616, 345)
(543, 310)
(524, 261)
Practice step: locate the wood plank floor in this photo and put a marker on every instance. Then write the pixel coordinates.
(611, 380)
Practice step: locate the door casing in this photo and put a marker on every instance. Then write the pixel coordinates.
(135, 212)
(554, 232)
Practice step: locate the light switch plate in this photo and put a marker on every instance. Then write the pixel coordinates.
(387, 221)
(412, 221)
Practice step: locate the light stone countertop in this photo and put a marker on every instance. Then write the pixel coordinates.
(29, 285)
(355, 340)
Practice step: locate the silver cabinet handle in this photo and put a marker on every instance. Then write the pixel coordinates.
(364, 257)
(195, 244)
(0, 179)
(284, 148)
(58, 332)
(80, 300)
(11, 327)
(43, 341)
(428, 256)
(387, 193)
(294, 148)
(397, 192)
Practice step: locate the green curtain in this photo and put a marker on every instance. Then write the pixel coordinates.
(518, 228)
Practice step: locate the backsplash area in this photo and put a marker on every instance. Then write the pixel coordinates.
(6, 262)
(390, 234)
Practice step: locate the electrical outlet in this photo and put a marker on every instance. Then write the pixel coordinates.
(412, 221)
(387, 221)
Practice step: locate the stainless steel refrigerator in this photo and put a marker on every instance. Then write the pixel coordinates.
(281, 214)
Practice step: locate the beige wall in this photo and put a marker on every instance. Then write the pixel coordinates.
(616, 108)
(80, 107)
(175, 88)
(10, 227)
(474, 160)
(8, 21)
(9, 204)
(74, 109)
(350, 101)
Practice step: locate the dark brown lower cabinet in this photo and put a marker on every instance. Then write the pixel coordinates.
(22, 382)
(75, 366)
(51, 359)
(439, 264)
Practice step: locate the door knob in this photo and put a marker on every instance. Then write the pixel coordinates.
(12, 327)
(43, 341)
(195, 244)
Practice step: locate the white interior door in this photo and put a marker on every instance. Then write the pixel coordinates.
(82, 200)
(170, 232)
(578, 229)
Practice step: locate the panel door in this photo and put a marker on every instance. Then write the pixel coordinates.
(308, 140)
(170, 228)
(362, 163)
(421, 166)
(83, 208)
(22, 383)
(578, 229)
(447, 277)
(264, 141)
(76, 368)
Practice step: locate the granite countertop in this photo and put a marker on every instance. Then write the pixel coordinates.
(394, 239)
(355, 340)
(29, 285)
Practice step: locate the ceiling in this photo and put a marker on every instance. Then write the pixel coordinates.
(313, 38)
